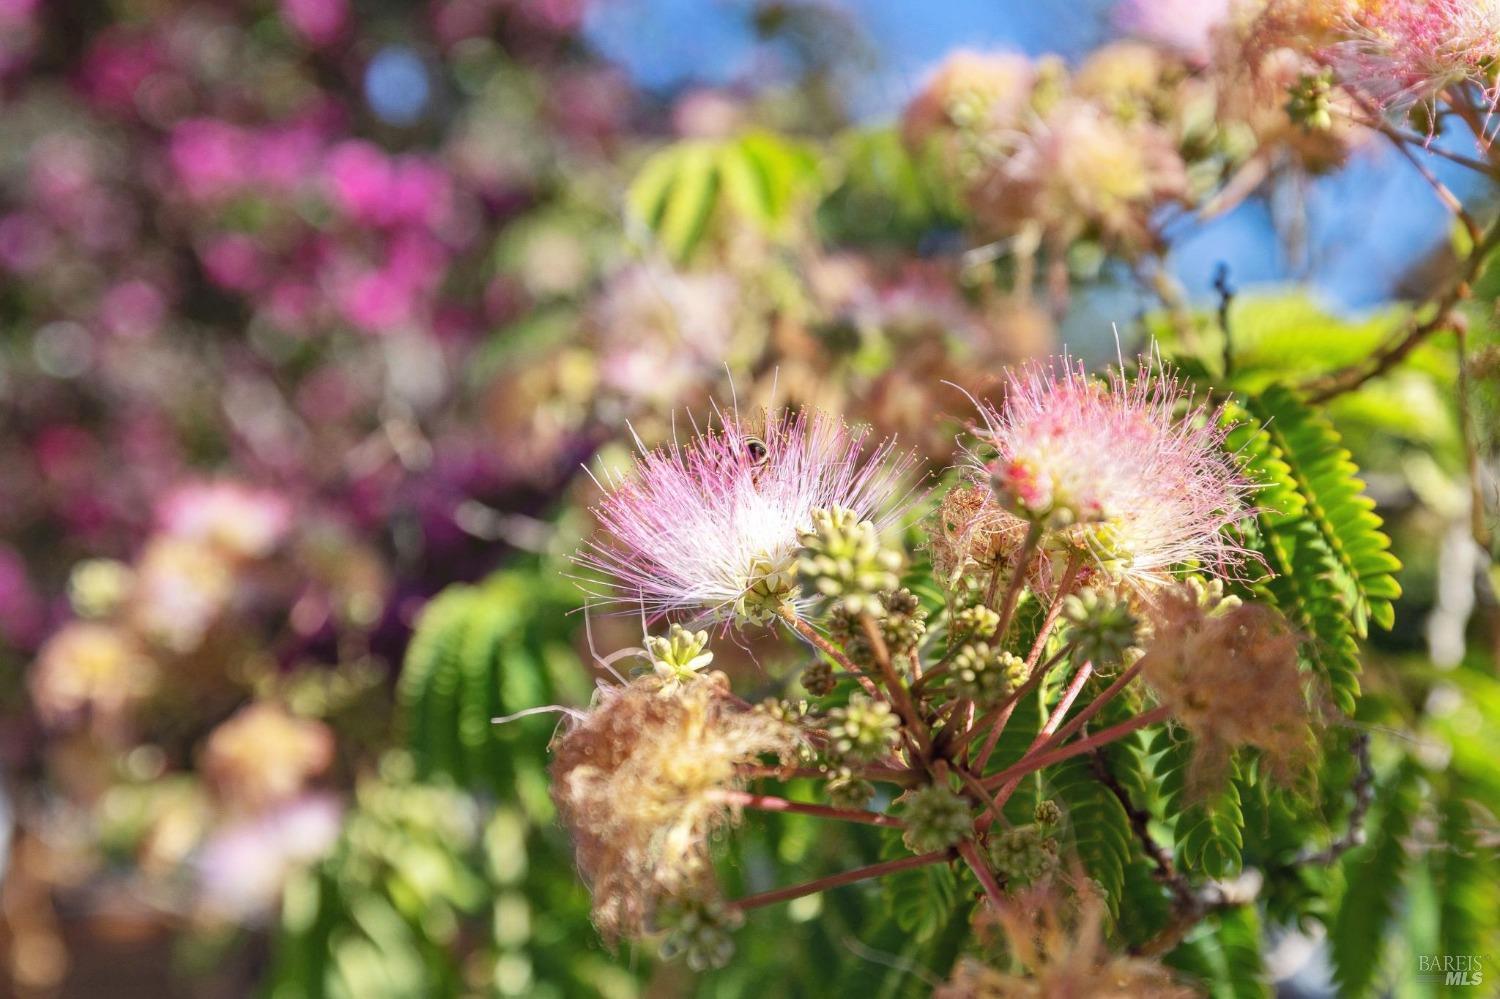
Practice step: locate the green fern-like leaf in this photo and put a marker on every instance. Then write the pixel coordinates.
(1374, 874)
(921, 902)
(759, 179)
(1099, 827)
(1331, 570)
(477, 654)
(1335, 503)
(1208, 826)
(431, 678)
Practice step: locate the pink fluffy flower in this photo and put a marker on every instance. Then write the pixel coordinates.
(1404, 51)
(710, 528)
(1184, 25)
(241, 521)
(1130, 469)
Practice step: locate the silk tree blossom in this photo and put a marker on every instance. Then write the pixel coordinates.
(1186, 26)
(1131, 470)
(1393, 52)
(1080, 168)
(1405, 51)
(710, 528)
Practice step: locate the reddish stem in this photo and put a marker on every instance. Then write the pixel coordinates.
(801, 627)
(899, 694)
(1109, 694)
(1017, 577)
(887, 775)
(1053, 720)
(1033, 762)
(771, 803)
(992, 889)
(845, 878)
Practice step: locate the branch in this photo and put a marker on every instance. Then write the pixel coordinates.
(896, 687)
(771, 803)
(807, 631)
(1363, 787)
(1033, 762)
(844, 878)
(1335, 383)
(972, 857)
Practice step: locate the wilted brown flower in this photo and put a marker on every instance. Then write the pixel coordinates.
(636, 782)
(969, 532)
(1230, 674)
(1058, 938)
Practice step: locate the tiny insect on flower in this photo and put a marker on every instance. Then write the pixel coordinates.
(710, 528)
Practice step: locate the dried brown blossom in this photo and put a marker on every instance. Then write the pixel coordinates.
(1058, 938)
(1230, 673)
(636, 781)
(969, 532)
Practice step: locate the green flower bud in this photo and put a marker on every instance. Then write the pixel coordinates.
(765, 591)
(1023, 855)
(986, 675)
(785, 711)
(843, 559)
(699, 932)
(1308, 101)
(902, 627)
(1102, 627)
(678, 656)
(862, 731)
(905, 621)
(978, 621)
(845, 790)
(1210, 595)
(818, 679)
(935, 818)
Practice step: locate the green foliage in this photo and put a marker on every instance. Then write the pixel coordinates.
(1099, 826)
(1333, 572)
(480, 653)
(883, 195)
(1336, 504)
(378, 917)
(1225, 955)
(921, 902)
(758, 178)
(1375, 874)
(1208, 824)
(451, 876)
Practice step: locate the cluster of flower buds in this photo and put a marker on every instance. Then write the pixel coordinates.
(1028, 854)
(844, 560)
(680, 655)
(862, 731)
(936, 817)
(1101, 627)
(701, 933)
(986, 675)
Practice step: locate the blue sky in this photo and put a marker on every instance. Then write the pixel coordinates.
(1366, 225)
